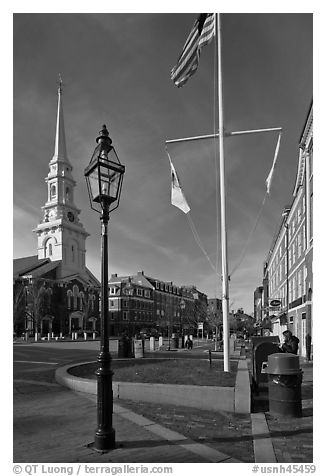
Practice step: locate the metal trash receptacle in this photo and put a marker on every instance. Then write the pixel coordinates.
(262, 347)
(284, 384)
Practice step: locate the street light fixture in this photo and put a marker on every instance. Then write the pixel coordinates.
(104, 176)
(182, 307)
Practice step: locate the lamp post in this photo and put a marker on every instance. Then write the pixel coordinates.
(104, 176)
(182, 307)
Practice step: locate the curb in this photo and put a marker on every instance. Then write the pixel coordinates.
(263, 446)
(89, 386)
(231, 399)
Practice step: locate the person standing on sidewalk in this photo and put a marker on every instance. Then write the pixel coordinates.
(291, 343)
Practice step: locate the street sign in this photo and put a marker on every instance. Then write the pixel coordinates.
(200, 326)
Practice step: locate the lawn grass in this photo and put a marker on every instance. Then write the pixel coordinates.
(166, 371)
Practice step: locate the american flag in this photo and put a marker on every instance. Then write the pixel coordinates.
(200, 35)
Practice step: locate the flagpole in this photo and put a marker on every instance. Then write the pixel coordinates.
(225, 273)
(226, 134)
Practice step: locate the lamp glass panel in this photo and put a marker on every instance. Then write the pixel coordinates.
(109, 182)
(94, 183)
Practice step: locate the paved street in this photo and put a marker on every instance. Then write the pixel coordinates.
(52, 423)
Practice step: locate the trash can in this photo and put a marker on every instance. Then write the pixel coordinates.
(284, 384)
(262, 347)
(124, 347)
(174, 342)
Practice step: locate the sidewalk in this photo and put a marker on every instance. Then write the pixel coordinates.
(62, 423)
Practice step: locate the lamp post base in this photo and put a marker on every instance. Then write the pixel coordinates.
(104, 442)
(104, 439)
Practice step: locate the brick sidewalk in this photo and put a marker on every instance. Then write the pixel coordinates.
(293, 437)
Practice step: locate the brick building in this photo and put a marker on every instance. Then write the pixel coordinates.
(139, 303)
(288, 276)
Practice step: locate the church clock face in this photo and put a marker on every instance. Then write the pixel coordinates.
(71, 216)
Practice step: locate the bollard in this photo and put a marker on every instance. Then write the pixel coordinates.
(160, 341)
(93, 335)
(210, 357)
(152, 343)
(85, 335)
(138, 349)
(49, 336)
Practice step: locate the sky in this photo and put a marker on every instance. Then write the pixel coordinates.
(116, 71)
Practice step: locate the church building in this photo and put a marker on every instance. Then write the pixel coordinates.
(54, 292)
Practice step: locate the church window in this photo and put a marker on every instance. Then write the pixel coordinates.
(69, 296)
(50, 249)
(81, 302)
(75, 292)
(72, 253)
(49, 296)
(92, 298)
(67, 193)
(53, 192)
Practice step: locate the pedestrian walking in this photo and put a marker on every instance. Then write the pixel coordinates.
(291, 343)
(189, 343)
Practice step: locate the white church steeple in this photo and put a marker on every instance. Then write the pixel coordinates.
(61, 236)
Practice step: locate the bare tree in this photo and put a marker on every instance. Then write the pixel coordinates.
(19, 303)
(38, 302)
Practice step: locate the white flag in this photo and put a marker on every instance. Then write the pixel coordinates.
(177, 197)
(270, 175)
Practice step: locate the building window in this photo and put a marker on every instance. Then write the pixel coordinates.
(67, 193)
(112, 290)
(125, 316)
(75, 292)
(111, 302)
(299, 213)
(53, 192)
(300, 283)
(92, 298)
(69, 296)
(299, 244)
(139, 292)
(81, 301)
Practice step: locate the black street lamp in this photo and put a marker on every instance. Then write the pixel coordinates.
(182, 307)
(104, 176)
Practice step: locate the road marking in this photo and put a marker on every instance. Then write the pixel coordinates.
(34, 362)
(36, 382)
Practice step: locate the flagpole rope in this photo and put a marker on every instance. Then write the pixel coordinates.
(244, 250)
(198, 240)
(268, 184)
(193, 228)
